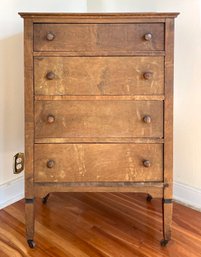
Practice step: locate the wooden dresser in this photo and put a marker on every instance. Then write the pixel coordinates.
(98, 106)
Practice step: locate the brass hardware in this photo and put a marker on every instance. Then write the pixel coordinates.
(146, 163)
(148, 75)
(50, 164)
(50, 36)
(148, 36)
(18, 163)
(147, 119)
(50, 75)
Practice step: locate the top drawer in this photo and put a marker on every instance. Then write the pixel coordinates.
(99, 37)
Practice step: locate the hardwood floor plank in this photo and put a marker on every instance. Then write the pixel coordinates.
(99, 225)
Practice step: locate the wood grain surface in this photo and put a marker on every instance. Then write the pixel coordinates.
(29, 107)
(100, 53)
(98, 162)
(98, 37)
(99, 224)
(98, 119)
(99, 75)
(154, 189)
(168, 109)
(100, 97)
(108, 15)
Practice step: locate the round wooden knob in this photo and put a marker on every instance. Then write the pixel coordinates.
(50, 164)
(147, 119)
(50, 36)
(50, 75)
(148, 75)
(148, 36)
(146, 163)
(50, 119)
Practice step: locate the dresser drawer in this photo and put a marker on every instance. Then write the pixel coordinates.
(98, 162)
(57, 119)
(99, 37)
(99, 75)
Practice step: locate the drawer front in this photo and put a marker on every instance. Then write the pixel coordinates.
(98, 162)
(60, 119)
(99, 37)
(99, 75)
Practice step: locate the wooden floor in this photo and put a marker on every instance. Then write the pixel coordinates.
(99, 224)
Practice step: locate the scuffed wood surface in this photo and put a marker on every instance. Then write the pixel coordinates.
(98, 119)
(100, 53)
(98, 162)
(99, 75)
(99, 37)
(155, 189)
(119, 140)
(168, 109)
(29, 107)
(100, 97)
(99, 56)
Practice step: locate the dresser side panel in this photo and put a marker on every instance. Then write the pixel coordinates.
(29, 107)
(168, 109)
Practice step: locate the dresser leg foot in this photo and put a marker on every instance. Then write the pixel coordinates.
(167, 221)
(149, 198)
(44, 199)
(29, 221)
(164, 242)
(31, 243)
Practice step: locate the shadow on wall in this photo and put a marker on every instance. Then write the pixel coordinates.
(12, 99)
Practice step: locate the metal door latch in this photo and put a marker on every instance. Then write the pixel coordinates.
(18, 163)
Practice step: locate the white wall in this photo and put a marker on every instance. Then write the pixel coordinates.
(187, 103)
(187, 121)
(11, 85)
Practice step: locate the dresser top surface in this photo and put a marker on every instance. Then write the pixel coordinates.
(99, 15)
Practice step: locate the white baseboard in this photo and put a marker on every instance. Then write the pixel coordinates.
(11, 192)
(187, 195)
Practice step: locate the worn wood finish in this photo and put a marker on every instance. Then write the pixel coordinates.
(168, 110)
(100, 97)
(98, 162)
(29, 107)
(121, 140)
(99, 224)
(168, 128)
(95, 54)
(98, 76)
(103, 100)
(98, 119)
(98, 37)
(29, 127)
(29, 218)
(155, 189)
(167, 220)
(70, 20)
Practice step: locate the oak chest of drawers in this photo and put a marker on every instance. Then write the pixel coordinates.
(98, 106)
